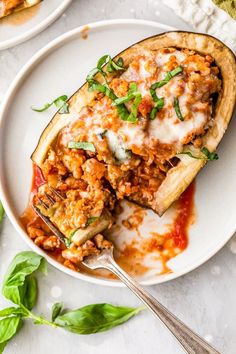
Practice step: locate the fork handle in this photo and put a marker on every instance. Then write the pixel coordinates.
(190, 341)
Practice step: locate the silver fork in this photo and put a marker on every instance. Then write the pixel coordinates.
(189, 340)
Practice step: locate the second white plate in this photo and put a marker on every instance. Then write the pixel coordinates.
(21, 26)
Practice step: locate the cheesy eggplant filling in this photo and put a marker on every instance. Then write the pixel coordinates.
(125, 141)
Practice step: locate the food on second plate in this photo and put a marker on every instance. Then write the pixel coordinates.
(7, 7)
(141, 128)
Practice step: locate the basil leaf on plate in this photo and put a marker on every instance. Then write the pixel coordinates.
(95, 318)
(9, 327)
(177, 109)
(56, 310)
(84, 145)
(15, 283)
(60, 102)
(2, 212)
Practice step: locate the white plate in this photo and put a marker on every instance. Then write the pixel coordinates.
(21, 26)
(60, 68)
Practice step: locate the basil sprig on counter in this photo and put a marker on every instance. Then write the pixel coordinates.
(211, 156)
(20, 287)
(59, 102)
(177, 109)
(84, 145)
(2, 212)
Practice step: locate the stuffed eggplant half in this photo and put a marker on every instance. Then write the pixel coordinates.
(8, 7)
(141, 128)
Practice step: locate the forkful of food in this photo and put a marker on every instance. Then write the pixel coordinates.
(97, 253)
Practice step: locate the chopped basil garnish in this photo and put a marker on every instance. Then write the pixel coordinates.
(59, 102)
(168, 77)
(115, 66)
(94, 85)
(210, 155)
(133, 93)
(159, 103)
(112, 66)
(91, 220)
(84, 145)
(177, 109)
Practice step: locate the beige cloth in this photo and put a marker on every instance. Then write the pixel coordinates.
(204, 16)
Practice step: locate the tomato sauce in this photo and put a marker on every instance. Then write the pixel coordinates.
(37, 179)
(162, 246)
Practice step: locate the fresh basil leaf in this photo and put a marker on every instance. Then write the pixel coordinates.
(95, 318)
(92, 219)
(103, 60)
(44, 108)
(134, 109)
(59, 102)
(190, 155)
(132, 93)
(84, 145)
(159, 104)
(91, 74)
(9, 327)
(177, 109)
(167, 78)
(2, 346)
(12, 311)
(31, 292)
(115, 66)
(2, 212)
(15, 284)
(210, 155)
(56, 310)
(62, 105)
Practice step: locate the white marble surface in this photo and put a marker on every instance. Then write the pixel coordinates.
(204, 299)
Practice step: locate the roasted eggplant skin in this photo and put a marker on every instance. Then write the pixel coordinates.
(178, 178)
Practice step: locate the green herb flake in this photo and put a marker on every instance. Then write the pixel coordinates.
(83, 145)
(159, 104)
(59, 102)
(177, 109)
(168, 77)
(92, 219)
(211, 156)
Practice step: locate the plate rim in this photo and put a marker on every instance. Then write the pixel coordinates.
(37, 28)
(38, 56)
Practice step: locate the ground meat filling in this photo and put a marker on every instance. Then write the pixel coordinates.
(128, 160)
